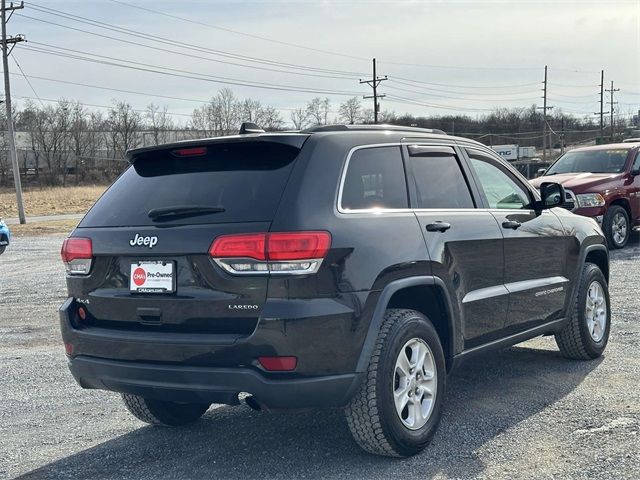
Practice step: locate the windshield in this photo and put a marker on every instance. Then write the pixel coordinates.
(592, 161)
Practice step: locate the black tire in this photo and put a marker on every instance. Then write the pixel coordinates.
(615, 211)
(162, 413)
(2, 249)
(371, 414)
(575, 340)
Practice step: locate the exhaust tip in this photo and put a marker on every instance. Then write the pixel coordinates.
(253, 403)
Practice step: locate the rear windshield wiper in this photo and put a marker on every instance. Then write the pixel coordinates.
(183, 211)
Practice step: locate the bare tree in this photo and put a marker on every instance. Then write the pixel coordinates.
(159, 122)
(250, 110)
(228, 111)
(318, 111)
(299, 118)
(271, 119)
(124, 126)
(351, 111)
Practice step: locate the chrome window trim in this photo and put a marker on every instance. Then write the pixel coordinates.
(343, 177)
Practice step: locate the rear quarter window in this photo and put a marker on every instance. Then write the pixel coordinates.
(247, 179)
(375, 178)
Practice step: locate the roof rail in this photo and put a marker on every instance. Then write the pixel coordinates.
(346, 128)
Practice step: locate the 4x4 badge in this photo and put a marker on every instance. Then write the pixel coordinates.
(146, 241)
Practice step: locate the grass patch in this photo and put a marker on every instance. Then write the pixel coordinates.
(50, 200)
(39, 229)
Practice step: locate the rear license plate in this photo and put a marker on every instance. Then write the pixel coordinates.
(152, 277)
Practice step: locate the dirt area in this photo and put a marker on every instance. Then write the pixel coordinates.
(50, 200)
(37, 229)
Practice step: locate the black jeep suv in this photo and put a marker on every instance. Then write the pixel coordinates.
(337, 267)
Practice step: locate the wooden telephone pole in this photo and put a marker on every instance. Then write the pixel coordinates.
(373, 83)
(11, 140)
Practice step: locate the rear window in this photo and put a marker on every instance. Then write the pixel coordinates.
(246, 179)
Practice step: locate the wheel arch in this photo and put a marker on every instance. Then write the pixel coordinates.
(598, 255)
(624, 203)
(426, 294)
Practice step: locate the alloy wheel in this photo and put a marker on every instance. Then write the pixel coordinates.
(415, 384)
(596, 311)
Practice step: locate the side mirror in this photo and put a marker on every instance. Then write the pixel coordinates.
(541, 171)
(552, 194)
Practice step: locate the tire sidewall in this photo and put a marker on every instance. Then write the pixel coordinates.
(404, 441)
(592, 273)
(608, 224)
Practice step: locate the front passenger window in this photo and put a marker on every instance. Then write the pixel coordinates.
(501, 191)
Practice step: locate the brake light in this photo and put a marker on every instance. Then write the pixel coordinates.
(77, 255)
(298, 245)
(190, 152)
(279, 252)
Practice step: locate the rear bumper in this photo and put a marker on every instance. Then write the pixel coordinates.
(211, 385)
(215, 368)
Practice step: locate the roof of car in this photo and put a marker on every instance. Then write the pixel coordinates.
(298, 136)
(607, 146)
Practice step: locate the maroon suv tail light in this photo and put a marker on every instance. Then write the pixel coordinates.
(77, 255)
(293, 253)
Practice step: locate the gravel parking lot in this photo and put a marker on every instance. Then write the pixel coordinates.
(522, 413)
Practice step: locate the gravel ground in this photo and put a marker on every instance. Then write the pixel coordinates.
(524, 412)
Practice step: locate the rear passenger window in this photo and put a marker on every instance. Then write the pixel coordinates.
(439, 180)
(375, 179)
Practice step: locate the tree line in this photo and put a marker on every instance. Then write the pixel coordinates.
(69, 143)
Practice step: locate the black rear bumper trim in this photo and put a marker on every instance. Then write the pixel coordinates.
(214, 385)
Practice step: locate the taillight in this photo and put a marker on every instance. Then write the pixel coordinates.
(77, 255)
(263, 253)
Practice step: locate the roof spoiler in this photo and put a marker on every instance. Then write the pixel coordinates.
(248, 127)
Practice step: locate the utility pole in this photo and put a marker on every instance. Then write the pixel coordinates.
(612, 103)
(7, 93)
(544, 116)
(373, 83)
(601, 106)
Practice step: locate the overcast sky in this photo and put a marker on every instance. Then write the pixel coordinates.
(448, 56)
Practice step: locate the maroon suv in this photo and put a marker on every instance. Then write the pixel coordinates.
(602, 182)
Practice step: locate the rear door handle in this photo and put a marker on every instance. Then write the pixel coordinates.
(511, 224)
(438, 226)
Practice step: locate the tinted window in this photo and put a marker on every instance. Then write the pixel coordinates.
(636, 163)
(499, 188)
(247, 179)
(375, 179)
(593, 161)
(439, 182)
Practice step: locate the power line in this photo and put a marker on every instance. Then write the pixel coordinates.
(162, 70)
(250, 35)
(396, 78)
(426, 94)
(180, 44)
(120, 90)
(455, 67)
(26, 79)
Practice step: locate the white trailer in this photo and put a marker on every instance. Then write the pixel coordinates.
(508, 152)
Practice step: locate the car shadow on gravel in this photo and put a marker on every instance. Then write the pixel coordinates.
(485, 398)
